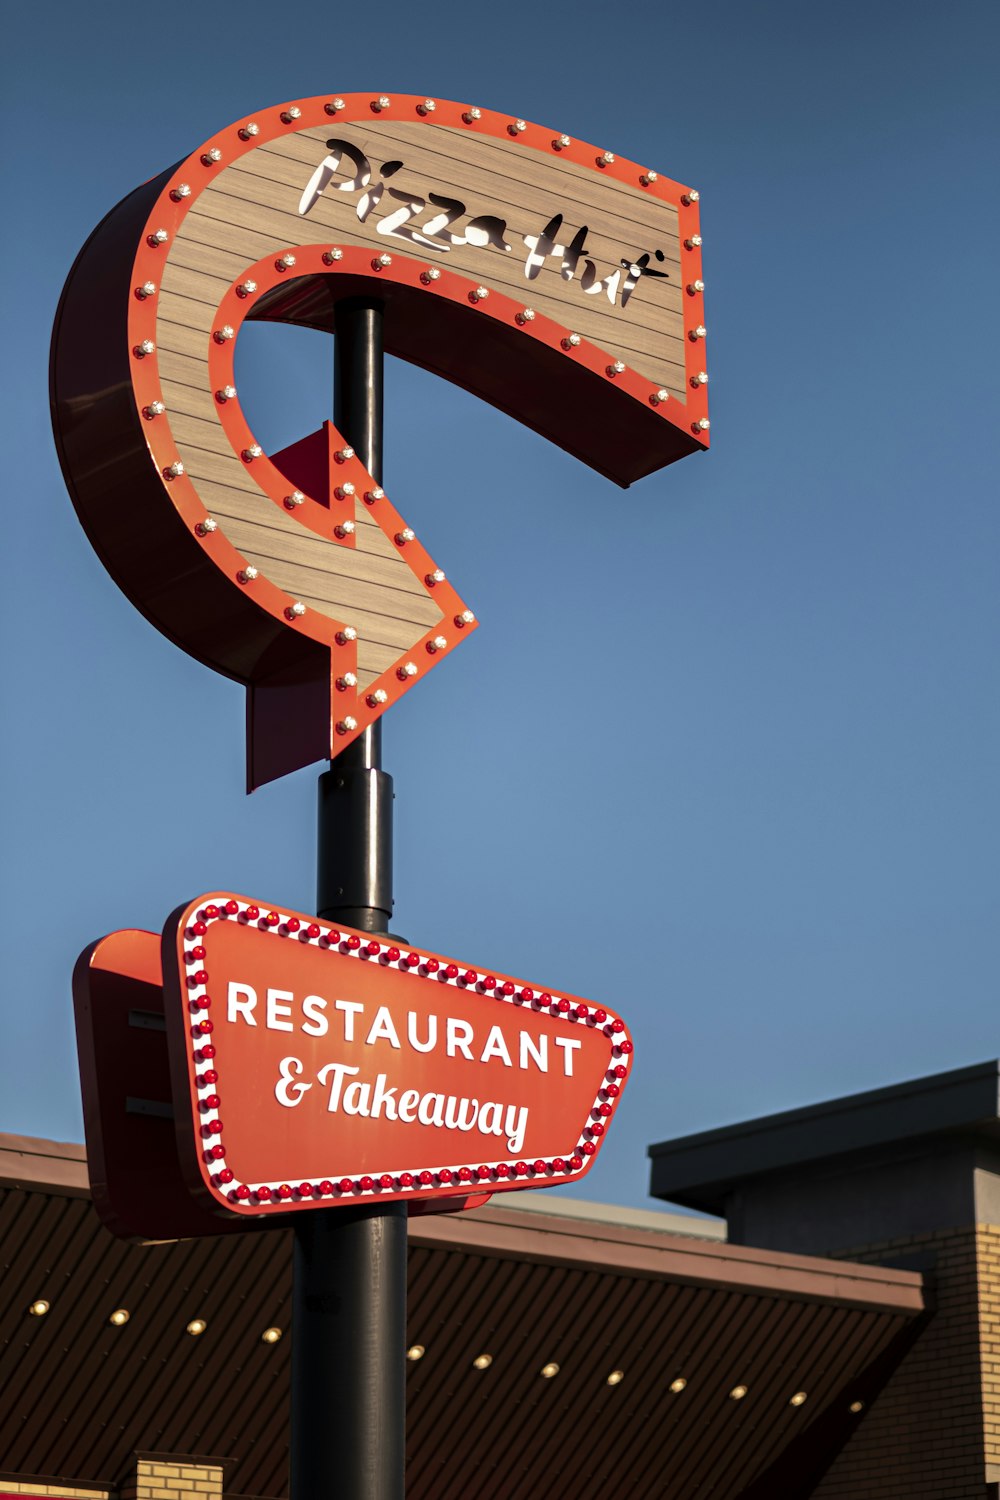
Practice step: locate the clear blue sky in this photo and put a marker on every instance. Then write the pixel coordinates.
(776, 853)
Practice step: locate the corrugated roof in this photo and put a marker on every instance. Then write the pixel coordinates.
(78, 1395)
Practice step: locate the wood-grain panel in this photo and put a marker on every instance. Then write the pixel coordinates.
(251, 208)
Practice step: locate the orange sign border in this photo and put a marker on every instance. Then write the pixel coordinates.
(200, 1132)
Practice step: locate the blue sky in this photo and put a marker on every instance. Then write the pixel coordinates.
(777, 853)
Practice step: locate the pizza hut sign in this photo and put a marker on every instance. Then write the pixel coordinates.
(314, 1065)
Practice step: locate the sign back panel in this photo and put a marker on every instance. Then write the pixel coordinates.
(313, 1066)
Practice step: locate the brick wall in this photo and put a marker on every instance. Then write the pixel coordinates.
(923, 1437)
(163, 1479)
(988, 1258)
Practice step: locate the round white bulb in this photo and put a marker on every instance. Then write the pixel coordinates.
(696, 286)
(703, 424)
(206, 527)
(381, 261)
(380, 695)
(211, 156)
(648, 178)
(561, 142)
(159, 237)
(606, 159)
(571, 341)
(333, 106)
(693, 241)
(182, 190)
(439, 642)
(517, 127)
(480, 294)
(285, 262)
(344, 491)
(347, 725)
(224, 334)
(254, 451)
(376, 494)
(249, 131)
(329, 256)
(404, 536)
(431, 274)
(343, 454)
(617, 367)
(247, 574)
(174, 470)
(148, 289)
(427, 108)
(294, 499)
(691, 197)
(471, 115)
(226, 393)
(291, 113)
(526, 315)
(699, 332)
(246, 288)
(154, 409)
(298, 609)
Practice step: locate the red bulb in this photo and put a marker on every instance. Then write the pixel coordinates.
(284, 1191)
(200, 976)
(272, 919)
(600, 1016)
(426, 1178)
(366, 1184)
(206, 1027)
(482, 1173)
(406, 1179)
(345, 1185)
(334, 936)
(193, 954)
(263, 1193)
(588, 1148)
(214, 1127)
(226, 1175)
(373, 948)
(558, 1165)
(625, 1047)
(326, 1186)
(243, 1192)
(489, 983)
(470, 976)
(205, 1052)
(582, 1012)
(211, 1102)
(605, 1110)
(620, 1070)
(252, 913)
(612, 1091)
(451, 972)
(392, 954)
(432, 966)
(197, 929)
(521, 1168)
(465, 1174)
(444, 1175)
(527, 994)
(385, 1181)
(313, 930)
(576, 1162)
(597, 1128)
(545, 998)
(411, 960)
(293, 924)
(353, 942)
(503, 1170)
(507, 988)
(209, 913)
(562, 1005)
(538, 1166)
(232, 907)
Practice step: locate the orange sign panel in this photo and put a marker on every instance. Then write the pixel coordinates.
(314, 1066)
(546, 275)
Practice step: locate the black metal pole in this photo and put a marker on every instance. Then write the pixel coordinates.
(349, 1290)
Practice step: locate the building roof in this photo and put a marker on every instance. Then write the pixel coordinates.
(701, 1171)
(529, 1287)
